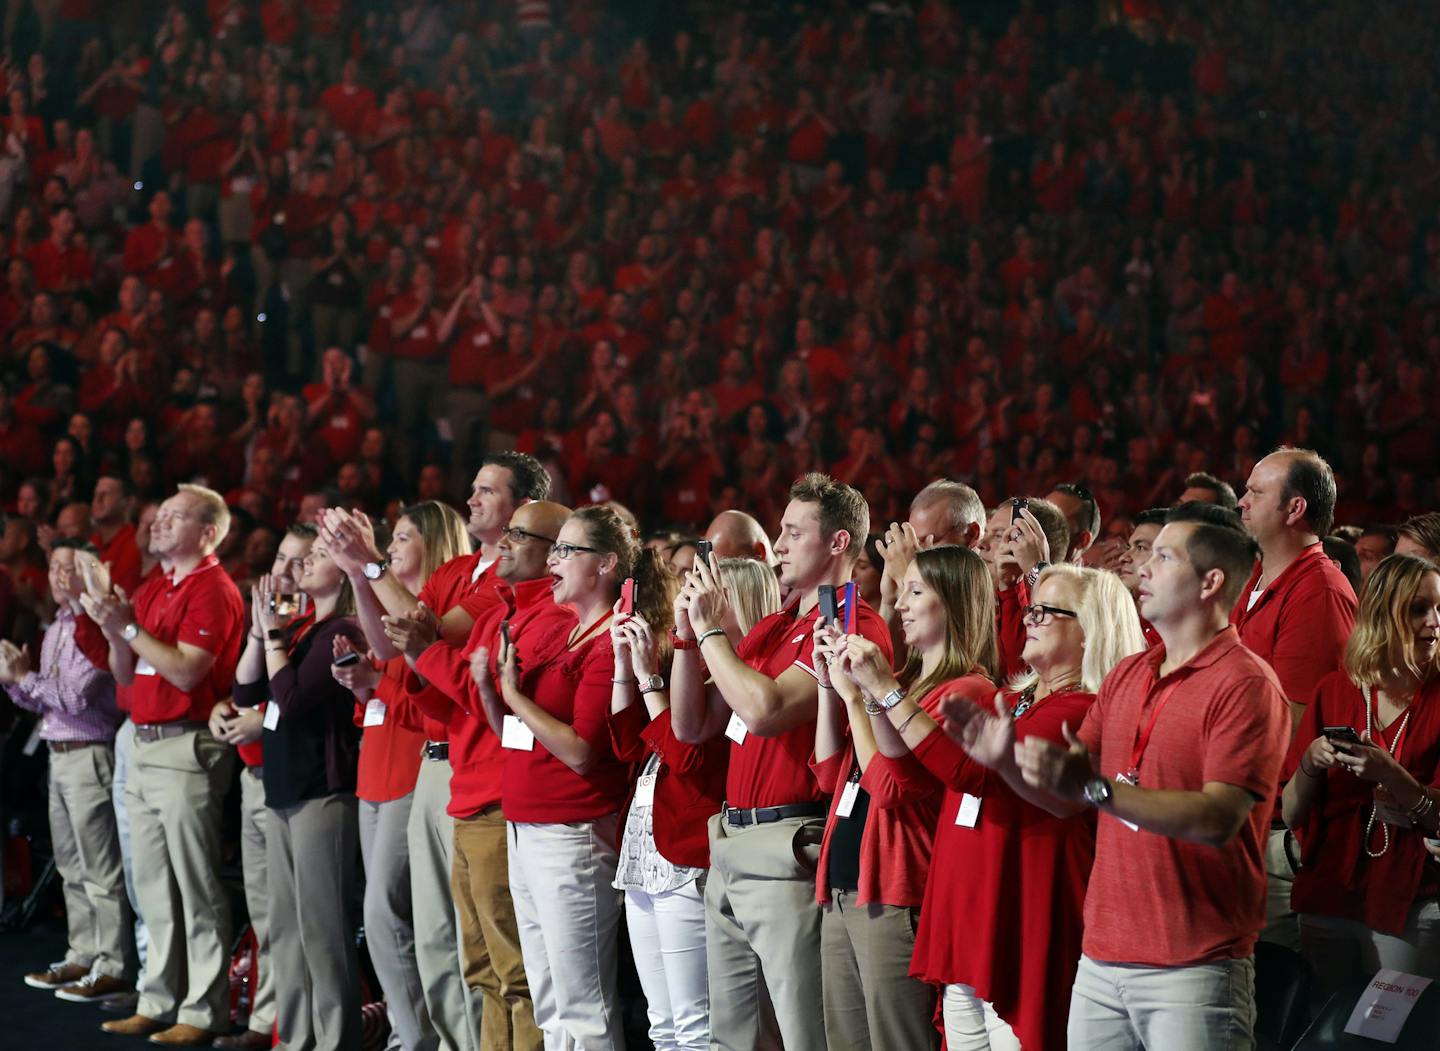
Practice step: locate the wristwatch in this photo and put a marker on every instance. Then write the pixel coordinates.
(375, 570)
(652, 684)
(891, 699)
(1034, 574)
(1098, 791)
(129, 631)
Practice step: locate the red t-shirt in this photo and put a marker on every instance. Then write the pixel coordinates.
(1163, 902)
(389, 753)
(340, 426)
(775, 771)
(122, 556)
(471, 355)
(1301, 623)
(204, 609)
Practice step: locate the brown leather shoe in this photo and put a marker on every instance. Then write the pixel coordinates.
(56, 975)
(135, 1025)
(94, 989)
(183, 1035)
(249, 1040)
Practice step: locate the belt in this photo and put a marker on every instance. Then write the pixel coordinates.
(151, 732)
(436, 750)
(766, 815)
(1278, 825)
(70, 746)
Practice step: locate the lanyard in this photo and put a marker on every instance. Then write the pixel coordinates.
(1142, 736)
(590, 630)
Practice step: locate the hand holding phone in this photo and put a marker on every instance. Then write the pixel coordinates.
(829, 606)
(703, 549)
(1018, 504)
(1341, 737)
(347, 659)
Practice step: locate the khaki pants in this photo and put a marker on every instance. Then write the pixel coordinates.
(431, 838)
(489, 940)
(257, 895)
(389, 932)
(762, 928)
(87, 856)
(312, 850)
(1281, 927)
(174, 796)
(1124, 1007)
(871, 1002)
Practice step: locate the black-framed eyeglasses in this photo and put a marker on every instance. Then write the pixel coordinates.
(562, 550)
(1039, 613)
(516, 535)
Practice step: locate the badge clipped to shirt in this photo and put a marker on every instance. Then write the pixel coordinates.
(514, 734)
(374, 712)
(848, 795)
(144, 667)
(272, 716)
(645, 789)
(968, 815)
(736, 729)
(1130, 777)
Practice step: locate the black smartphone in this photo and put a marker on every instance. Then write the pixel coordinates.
(829, 607)
(702, 551)
(347, 659)
(505, 632)
(1341, 736)
(1017, 505)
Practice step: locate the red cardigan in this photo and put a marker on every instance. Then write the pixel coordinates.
(689, 789)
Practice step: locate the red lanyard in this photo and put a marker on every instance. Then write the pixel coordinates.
(1142, 736)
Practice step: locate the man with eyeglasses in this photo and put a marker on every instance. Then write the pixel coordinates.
(397, 623)
(1180, 754)
(480, 879)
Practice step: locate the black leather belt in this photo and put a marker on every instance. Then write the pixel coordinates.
(766, 815)
(151, 732)
(70, 746)
(436, 750)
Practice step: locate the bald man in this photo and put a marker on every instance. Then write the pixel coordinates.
(737, 535)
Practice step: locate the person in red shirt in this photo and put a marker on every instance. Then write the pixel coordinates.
(336, 410)
(151, 248)
(1181, 754)
(175, 648)
(114, 537)
(1295, 613)
(1147, 526)
(61, 262)
(762, 920)
(1365, 896)
(349, 102)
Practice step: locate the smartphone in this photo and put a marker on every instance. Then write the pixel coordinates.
(627, 595)
(347, 659)
(702, 551)
(1341, 736)
(1017, 505)
(829, 608)
(505, 632)
(848, 595)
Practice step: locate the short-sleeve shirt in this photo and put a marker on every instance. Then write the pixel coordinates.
(1163, 902)
(456, 584)
(202, 609)
(775, 771)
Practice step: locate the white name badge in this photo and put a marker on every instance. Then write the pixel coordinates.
(144, 667)
(420, 332)
(848, 795)
(1131, 780)
(340, 423)
(645, 789)
(736, 729)
(968, 816)
(515, 734)
(1385, 1005)
(272, 716)
(374, 712)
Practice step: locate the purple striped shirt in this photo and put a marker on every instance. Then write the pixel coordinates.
(75, 699)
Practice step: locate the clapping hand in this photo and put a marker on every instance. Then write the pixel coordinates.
(987, 737)
(414, 631)
(1060, 771)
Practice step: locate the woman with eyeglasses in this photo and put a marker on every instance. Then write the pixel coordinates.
(1362, 794)
(1001, 922)
(547, 693)
(426, 536)
(665, 852)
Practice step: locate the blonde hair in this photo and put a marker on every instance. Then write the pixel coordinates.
(212, 510)
(754, 591)
(443, 531)
(962, 581)
(1108, 621)
(1383, 640)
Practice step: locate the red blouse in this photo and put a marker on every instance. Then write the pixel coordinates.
(1004, 903)
(390, 752)
(1337, 877)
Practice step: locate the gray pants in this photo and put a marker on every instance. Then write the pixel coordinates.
(87, 856)
(254, 860)
(311, 848)
(389, 932)
(871, 1002)
(762, 932)
(1281, 926)
(1122, 1007)
(124, 763)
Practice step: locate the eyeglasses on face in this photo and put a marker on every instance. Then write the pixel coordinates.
(516, 535)
(1040, 613)
(562, 550)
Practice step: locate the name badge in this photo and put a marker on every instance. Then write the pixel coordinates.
(340, 423)
(338, 280)
(516, 735)
(374, 712)
(736, 729)
(1131, 778)
(645, 789)
(144, 667)
(420, 332)
(272, 716)
(968, 816)
(848, 795)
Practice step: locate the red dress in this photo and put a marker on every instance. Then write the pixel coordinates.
(1005, 900)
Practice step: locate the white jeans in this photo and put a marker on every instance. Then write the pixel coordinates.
(971, 1024)
(667, 936)
(568, 914)
(1126, 1007)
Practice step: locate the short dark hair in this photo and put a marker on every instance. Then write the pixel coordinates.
(1387, 532)
(841, 507)
(1218, 541)
(304, 530)
(528, 478)
(1309, 477)
(1091, 523)
(1342, 552)
(1053, 524)
(75, 543)
(1223, 490)
(1150, 516)
(1423, 530)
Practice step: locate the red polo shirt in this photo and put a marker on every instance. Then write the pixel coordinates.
(1163, 902)
(775, 771)
(203, 609)
(1301, 623)
(122, 556)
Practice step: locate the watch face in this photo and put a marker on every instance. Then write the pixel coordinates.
(374, 570)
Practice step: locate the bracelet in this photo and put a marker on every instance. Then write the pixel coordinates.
(1422, 807)
(624, 682)
(1307, 773)
(873, 707)
(901, 728)
(700, 641)
(681, 644)
(825, 686)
